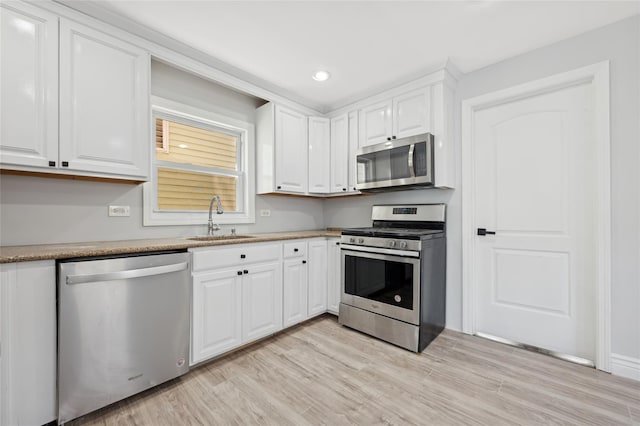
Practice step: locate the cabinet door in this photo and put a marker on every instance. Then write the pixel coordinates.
(334, 284)
(29, 81)
(261, 301)
(319, 155)
(411, 113)
(375, 123)
(28, 335)
(294, 296)
(317, 261)
(291, 151)
(353, 148)
(104, 103)
(339, 153)
(217, 313)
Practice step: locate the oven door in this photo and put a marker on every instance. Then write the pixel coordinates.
(384, 283)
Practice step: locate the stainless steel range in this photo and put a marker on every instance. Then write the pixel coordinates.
(393, 281)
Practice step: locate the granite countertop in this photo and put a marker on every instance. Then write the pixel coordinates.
(9, 254)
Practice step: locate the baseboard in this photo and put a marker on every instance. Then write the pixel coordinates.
(625, 366)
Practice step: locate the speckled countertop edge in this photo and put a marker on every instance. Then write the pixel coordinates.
(12, 254)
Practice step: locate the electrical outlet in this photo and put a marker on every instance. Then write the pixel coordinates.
(265, 212)
(120, 211)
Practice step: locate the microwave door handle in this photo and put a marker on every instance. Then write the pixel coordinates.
(412, 170)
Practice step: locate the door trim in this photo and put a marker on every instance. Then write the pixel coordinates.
(598, 76)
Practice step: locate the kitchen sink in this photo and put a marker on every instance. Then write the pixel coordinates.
(220, 237)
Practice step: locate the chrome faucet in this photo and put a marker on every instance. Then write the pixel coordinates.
(214, 226)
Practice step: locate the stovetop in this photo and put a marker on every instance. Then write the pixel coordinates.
(383, 232)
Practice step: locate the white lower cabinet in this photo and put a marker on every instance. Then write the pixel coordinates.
(242, 293)
(28, 343)
(334, 271)
(261, 301)
(294, 296)
(217, 313)
(237, 297)
(317, 298)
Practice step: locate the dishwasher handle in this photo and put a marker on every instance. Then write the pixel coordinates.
(123, 275)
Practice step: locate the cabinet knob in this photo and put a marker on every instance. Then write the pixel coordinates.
(52, 163)
(337, 243)
(279, 187)
(295, 250)
(245, 271)
(388, 139)
(344, 189)
(304, 261)
(354, 188)
(393, 137)
(239, 272)
(242, 256)
(65, 164)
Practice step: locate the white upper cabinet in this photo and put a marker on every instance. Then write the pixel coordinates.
(353, 148)
(339, 153)
(75, 100)
(320, 158)
(29, 81)
(282, 145)
(375, 123)
(104, 103)
(404, 115)
(411, 113)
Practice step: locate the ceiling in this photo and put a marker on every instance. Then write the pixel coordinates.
(367, 46)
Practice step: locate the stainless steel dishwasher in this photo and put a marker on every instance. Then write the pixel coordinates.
(123, 327)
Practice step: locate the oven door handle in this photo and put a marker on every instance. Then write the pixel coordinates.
(364, 249)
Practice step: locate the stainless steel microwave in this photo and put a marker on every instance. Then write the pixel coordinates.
(398, 164)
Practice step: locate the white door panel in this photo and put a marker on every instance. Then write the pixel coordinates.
(534, 162)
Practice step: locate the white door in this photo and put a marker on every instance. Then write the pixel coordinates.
(535, 186)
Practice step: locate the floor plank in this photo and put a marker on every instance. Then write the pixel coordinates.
(320, 373)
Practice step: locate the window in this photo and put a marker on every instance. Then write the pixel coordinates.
(196, 155)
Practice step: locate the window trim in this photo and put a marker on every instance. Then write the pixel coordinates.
(168, 109)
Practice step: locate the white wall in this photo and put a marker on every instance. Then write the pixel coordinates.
(619, 43)
(36, 210)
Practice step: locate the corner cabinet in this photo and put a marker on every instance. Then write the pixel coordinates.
(282, 150)
(28, 339)
(87, 110)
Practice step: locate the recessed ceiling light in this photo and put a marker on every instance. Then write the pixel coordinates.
(321, 75)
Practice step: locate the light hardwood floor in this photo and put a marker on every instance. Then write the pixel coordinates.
(322, 373)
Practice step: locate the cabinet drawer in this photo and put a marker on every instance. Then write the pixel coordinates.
(209, 258)
(295, 249)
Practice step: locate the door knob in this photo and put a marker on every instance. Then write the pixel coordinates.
(483, 231)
